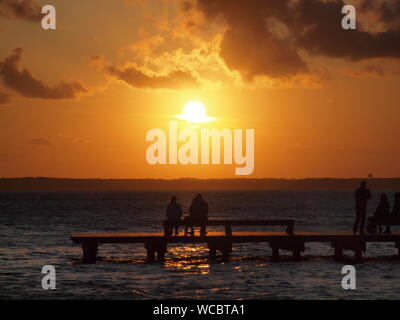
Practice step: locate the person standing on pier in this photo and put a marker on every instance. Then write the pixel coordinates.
(362, 195)
(174, 215)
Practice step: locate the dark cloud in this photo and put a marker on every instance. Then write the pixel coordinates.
(264, 37)
(134, 77)
(388, 10)
(21, 9)
(316, 28)
(4, 98)
(248, 45)
(40, 142)
(24, 83)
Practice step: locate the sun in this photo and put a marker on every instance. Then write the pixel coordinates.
(195, 112)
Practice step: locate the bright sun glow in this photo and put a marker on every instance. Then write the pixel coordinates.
(194, 111)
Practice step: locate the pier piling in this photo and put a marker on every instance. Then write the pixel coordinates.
(89, 252)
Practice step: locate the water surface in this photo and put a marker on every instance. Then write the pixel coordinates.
(35, 230)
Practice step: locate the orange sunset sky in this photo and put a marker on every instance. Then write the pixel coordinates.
(78, 101)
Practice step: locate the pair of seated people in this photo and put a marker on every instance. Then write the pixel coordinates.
(383, 210)
(198, 214)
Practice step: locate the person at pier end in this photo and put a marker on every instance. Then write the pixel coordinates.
(362, 195)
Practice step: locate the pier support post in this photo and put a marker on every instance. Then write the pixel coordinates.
(89, 252)
(212, 253)
(151, 254)
(294, 245)
(338, 252)
(156, 246)
(355, 243)
(275, 253)
(358, 254)
(223, 244)
(161, 254)
(296, 253)
(225, 253)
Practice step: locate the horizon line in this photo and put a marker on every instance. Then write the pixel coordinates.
(195, 178)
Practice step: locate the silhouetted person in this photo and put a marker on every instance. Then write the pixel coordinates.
(362, 194)
(382, 211)
(174, 215)
(396, 206)
(198, 213)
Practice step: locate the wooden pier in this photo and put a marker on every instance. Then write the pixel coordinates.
(156, 243)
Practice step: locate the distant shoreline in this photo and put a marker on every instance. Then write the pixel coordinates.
(61, 184)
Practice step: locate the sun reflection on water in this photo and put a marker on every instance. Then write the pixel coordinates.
(188, 259)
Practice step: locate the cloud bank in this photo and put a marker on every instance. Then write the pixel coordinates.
(28, 10)
(272, 38)
(28, 86)
(137, 78)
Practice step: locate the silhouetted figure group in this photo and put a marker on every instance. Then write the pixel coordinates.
(198, 212)
(362, 195)
(198, 215)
